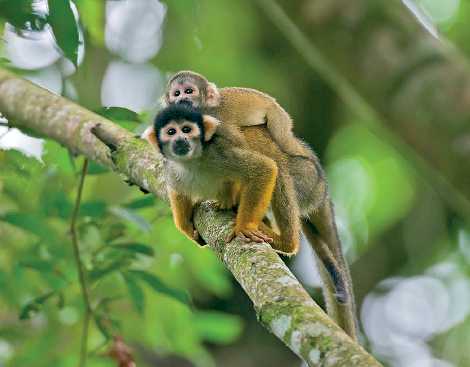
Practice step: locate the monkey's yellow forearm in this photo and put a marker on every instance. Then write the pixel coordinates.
(182, 207)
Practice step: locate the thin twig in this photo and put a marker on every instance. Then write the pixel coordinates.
(81, 277)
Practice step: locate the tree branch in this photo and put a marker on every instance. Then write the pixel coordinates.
(282, 305)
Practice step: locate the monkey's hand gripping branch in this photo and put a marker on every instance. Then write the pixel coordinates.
(282, 305)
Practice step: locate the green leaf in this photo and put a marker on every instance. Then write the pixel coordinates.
(65, 28)
(136, 247)
(33, 224)
(93, 208)
(114, 231)
(32, 133)
(148, 200)
(103, 325)
(35, 305)
(96, 169)
(159, 286)
(135, 291)
(218, 328)
(56, 205)
(98, 272)
(118, 113)
(20, 14)
(131, 216)
(42, 266)
(28, 311)
(61, 301)
(121, 116)
(104, 302)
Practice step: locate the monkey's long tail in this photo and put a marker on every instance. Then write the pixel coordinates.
(320, 230)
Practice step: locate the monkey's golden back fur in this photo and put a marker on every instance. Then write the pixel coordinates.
(255, 107)
(307, 175)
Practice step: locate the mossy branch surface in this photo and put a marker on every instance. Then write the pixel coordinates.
(281, 304)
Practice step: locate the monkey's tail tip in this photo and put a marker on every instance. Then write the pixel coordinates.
(341, 297)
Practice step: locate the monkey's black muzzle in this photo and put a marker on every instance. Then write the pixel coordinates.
(181, 146)
(185, 102)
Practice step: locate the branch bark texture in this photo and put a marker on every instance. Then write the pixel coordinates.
(282, 305)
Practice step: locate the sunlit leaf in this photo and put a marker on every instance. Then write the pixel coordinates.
(218, 328)
(93, 14)
(65, 28)
(135, 291)
(131, 216)
(59, 157)
(159, 286)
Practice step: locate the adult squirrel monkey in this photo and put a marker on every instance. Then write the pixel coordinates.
(233, 106)
(300, 196)
(204, 160)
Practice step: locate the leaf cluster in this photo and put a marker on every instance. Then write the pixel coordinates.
(141, 274)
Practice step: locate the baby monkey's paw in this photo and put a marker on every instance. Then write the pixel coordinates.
(247, 233)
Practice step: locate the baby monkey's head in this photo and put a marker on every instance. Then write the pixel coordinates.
(180, 132)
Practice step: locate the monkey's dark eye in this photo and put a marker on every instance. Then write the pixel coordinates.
(171, 132)
(177, 93)
(188, 91)
(186, 129)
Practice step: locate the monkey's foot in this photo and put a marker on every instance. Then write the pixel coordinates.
(247, 234)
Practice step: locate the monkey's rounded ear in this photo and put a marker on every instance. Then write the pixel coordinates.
(210, 125)
(149, 135)
(212, 95)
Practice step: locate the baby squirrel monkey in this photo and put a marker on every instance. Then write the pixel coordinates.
(300, 196)
(251, 106)
(204, 160)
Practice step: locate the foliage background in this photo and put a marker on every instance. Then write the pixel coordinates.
(174, 304)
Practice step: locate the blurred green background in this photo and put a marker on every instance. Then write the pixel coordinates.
(173, 303)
